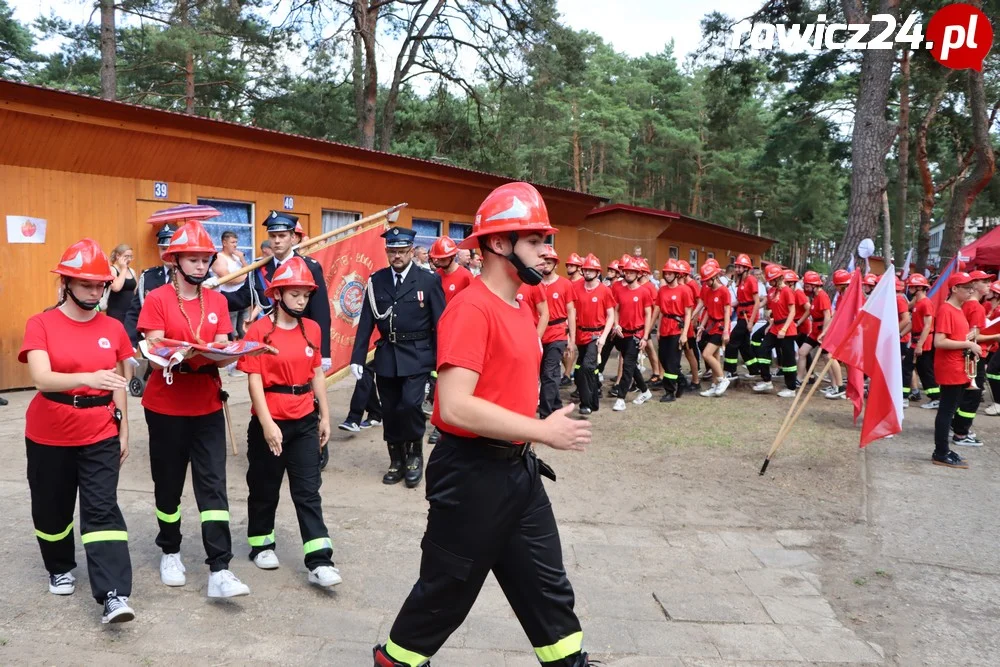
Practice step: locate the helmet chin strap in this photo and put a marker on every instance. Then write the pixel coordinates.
(84, 305)
(297, 314)
(527, 274)
(192, 280)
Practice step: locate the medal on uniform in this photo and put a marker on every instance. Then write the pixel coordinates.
(420, 298)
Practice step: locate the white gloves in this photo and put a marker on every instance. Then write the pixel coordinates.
(357, 370)
(211, 283)
(326, 364)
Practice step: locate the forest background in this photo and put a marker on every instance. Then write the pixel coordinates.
(829, 145)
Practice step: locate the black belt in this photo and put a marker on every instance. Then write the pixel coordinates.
(590, 329)
(675, 318)
(781, 321)
(631, 332)
(502, 450)
(404, 336)
(185, 367)
(743, 303)
(78, 401)
(293, 389)
(558, 320)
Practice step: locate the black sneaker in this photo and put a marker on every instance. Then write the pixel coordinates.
(668, 398)
(655, 382)
(949, 460)
(365, 424)
(116, 609)
(585, 411)
(565, 381)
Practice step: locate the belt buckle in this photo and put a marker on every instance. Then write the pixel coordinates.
(392, 336)
(75, 399)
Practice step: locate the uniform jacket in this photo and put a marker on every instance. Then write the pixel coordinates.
(318, 308)
(416, 308)
(149, 280)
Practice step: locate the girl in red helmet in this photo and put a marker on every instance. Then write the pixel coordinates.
(616, 342)
(921, 354)
(561, 329)
(802, 322)
(714, 326)
(634, 320)
(820, 314)
(488, 507)
(76, 431)
(780, 335)
(595, 317)
(289, 424)
(992, 306)
(691, 351)
(185, 416)
(837, 389)
(748, 305)
(975, 315)
(646, 282)
(870, 281)
(674, 308)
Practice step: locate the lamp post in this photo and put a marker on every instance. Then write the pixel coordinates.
(758, 214)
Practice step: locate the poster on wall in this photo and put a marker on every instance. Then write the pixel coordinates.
(22, 229)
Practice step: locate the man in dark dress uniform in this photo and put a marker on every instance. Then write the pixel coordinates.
(405, 303)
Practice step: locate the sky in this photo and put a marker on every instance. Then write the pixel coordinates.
(629, 29)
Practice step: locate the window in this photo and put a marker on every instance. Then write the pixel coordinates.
(693, 258)
(236, 217)
(711, 255)
(334, 219)
(427, 231)
(674, 252)
(458, 231)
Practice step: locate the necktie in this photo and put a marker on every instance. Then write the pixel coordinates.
(399, 280)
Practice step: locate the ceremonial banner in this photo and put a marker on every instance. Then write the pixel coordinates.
(167, 353)
(347, 264)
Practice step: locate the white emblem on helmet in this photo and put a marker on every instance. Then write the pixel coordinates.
(104, 343)
(284, 275)
(213, 318)
(183, 238)
(517, 210)
(76, 262)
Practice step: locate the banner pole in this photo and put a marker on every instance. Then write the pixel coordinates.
(782, 434)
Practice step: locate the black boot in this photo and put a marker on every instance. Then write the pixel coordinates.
(395, 473)
(414, 463)
(434, 437)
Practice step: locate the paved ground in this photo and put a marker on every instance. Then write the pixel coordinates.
(681, 556)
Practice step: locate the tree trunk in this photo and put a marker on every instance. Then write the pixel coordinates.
(887, 255)
(183, 10)
(871, 138)
(364, 26)
(903, 153)
(358, 84)
(109, 69)
(968, 188)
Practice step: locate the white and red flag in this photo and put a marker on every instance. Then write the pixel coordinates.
(848, 308)
(872, 344)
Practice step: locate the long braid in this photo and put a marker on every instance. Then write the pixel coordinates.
(180, 304)
(63, 293)
(302, 328)
(274, 325)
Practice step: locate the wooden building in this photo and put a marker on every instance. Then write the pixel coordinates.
(91, 167)
(615, 230)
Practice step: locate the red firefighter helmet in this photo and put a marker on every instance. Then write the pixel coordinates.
(630, 264)
(512, 207)
(644, 265)
(871, 280)
(841, 277)
(548, 252)
(812, 278)
(591, 263)
(712, 261)
(684, 267)
(919, 280)
(709, 271)
(791, 276)
(85, 260)
(299, 230)
(624, 260)
(743, 260)
(574, 260)
(293, 273)
(443, 248)
(994, 286)
(190, 237)
(613, 264)
(899, 285)
(773, 272)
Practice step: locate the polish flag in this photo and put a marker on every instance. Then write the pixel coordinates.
(872, 344)
(848, 308)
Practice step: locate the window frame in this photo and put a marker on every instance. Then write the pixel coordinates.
(252, 206)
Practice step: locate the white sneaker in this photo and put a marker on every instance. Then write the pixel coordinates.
(993, 410)
(723, 386)
(906, 403)
(787, 393)
(933, 405)
(62, 584)
(172, 570)
(706, 375)
(711, 391)
(619, 405)
(763, 387)
(224, 584)
(266, 560)
(325, 576)
(643, 397)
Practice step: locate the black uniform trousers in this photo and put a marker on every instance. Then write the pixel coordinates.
(993, 375)
(969, 403)
(365, 397)
(925, 371)
(611, 344)
(54, 475)
(757, 342)
(587, 382)
(173, 443)
(950, 397)
(300, 459)
(487, 515)
(631, 374)
(670, 357)
(739, 345)
(786, 358)
(550, 375)
(906, 359)
(402, 398)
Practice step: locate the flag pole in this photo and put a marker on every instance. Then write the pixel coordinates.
(783, 433)
(802, 389)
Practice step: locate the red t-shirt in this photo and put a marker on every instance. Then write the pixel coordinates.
(558, 295)
(801, 310)
(532, 295)
(454, 282)
(922, 309)
(902, 306)
(648, 285)
(949, 365)
(746, 292)
(631, 311)
(779, 302)
(617, 290)
(992, 330)
(715, 301)
(481, 332)
(591, 310)
(73, 347)
(295, 363)
(820, 304)
(190, 394)
(673, 301)
(695, 290)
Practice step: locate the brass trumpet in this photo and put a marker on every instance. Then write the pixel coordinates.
(972, 361)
